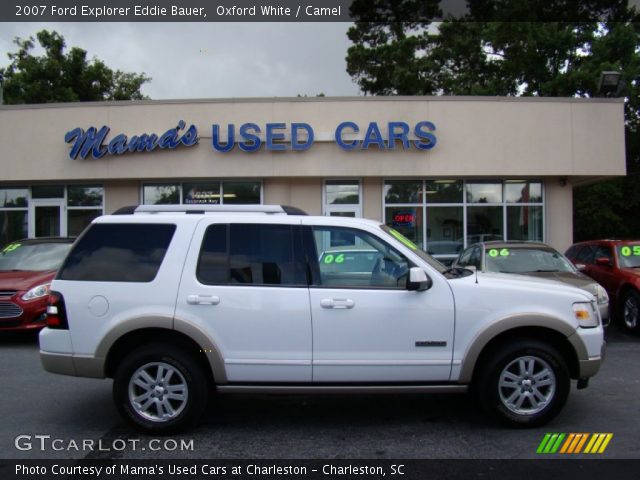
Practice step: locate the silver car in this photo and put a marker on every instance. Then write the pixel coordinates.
(535, 259)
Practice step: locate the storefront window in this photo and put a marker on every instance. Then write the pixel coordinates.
(47, 191)
(403, 191)
(524, 222)
(521, 191)
(161, 194)
(484, 192)
(80, 196)
(241, 193)
(13, 197)
(484, 224)
(444, 191)
(13, 225)
(210, 193)
(445, 232)
(342, 192)
(84, 203)
(13, 214)
(202, 193)
(406, 220)
(492, 210)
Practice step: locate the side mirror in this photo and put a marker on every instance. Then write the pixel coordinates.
(581, 267)
(419, 281)
(603, 261)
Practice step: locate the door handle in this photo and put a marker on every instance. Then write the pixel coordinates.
(203, 299)
(337, 303)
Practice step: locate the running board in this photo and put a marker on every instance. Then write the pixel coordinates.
(341, 389)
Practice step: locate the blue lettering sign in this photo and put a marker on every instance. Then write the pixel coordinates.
(252, 141)
(340, 141)
(423, 131)
(295, 143)
(92, 141)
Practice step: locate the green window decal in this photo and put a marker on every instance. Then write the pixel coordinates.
(329, 259)
(11, 247)
(503, 252)
(403, 239)
(627, 251)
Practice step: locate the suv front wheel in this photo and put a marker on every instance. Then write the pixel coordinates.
(525, 383)
(160, 388)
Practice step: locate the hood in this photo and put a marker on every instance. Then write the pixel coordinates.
(23, 279)
(509, 281)
(574, 279)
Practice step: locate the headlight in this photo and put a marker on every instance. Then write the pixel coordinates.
(585, 314)
(601, 295)
(37, 292)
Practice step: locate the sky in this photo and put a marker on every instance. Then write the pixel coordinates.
(212, 60)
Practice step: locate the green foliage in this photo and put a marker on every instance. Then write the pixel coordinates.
(57, 76)
(557, 48)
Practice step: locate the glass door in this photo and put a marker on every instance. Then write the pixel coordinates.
(47, 218)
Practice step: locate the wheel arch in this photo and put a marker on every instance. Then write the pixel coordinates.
(141, 336)
(545, 329)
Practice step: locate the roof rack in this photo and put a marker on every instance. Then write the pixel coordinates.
(201, 209)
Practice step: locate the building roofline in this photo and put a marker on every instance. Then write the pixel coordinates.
(245, 100)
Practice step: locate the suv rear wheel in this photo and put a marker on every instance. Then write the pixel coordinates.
(160, 388)
(525, 383)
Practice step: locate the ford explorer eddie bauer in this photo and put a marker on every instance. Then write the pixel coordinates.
(177, 302)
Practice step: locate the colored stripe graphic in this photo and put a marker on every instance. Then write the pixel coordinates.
(573, 443)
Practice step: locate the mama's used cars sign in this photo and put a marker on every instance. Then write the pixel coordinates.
(252, 137)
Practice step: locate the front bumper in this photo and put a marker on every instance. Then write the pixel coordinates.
(590, 349)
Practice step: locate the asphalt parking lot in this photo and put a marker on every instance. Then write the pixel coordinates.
(73, 411)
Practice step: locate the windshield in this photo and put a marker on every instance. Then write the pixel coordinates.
(33, 256)
(417, 250)
(629, 255)
(526, 260)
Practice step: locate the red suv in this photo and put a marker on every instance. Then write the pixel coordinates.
(26, 270)
(614, 264)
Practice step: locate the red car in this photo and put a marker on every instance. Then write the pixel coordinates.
(614, 264)
(26, 270)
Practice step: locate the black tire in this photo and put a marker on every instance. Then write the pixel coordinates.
(166, 402)
(629, 310)
(546, 384)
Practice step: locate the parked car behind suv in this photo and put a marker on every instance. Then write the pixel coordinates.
(532, 258)
(615, 264)
(236, 299)
(26, 269)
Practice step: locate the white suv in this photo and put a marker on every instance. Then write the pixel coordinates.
(175, 302)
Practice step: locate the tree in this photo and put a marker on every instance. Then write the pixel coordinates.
(559, 51)
(57, 76)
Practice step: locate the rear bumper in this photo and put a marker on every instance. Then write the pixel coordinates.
(56, 356)
(77, 366)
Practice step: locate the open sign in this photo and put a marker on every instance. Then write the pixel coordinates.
(404, 219)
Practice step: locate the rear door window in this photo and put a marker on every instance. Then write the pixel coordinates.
(113, 252)
(251, 254)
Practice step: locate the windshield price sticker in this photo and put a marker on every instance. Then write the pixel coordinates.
(503, 252)
(331, 259)
(627, 251)
(12, 247)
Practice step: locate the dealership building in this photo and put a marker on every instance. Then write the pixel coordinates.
(445, 171)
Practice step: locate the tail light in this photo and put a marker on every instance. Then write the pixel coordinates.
(56, 312)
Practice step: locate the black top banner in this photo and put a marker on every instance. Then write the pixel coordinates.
(313, 10)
